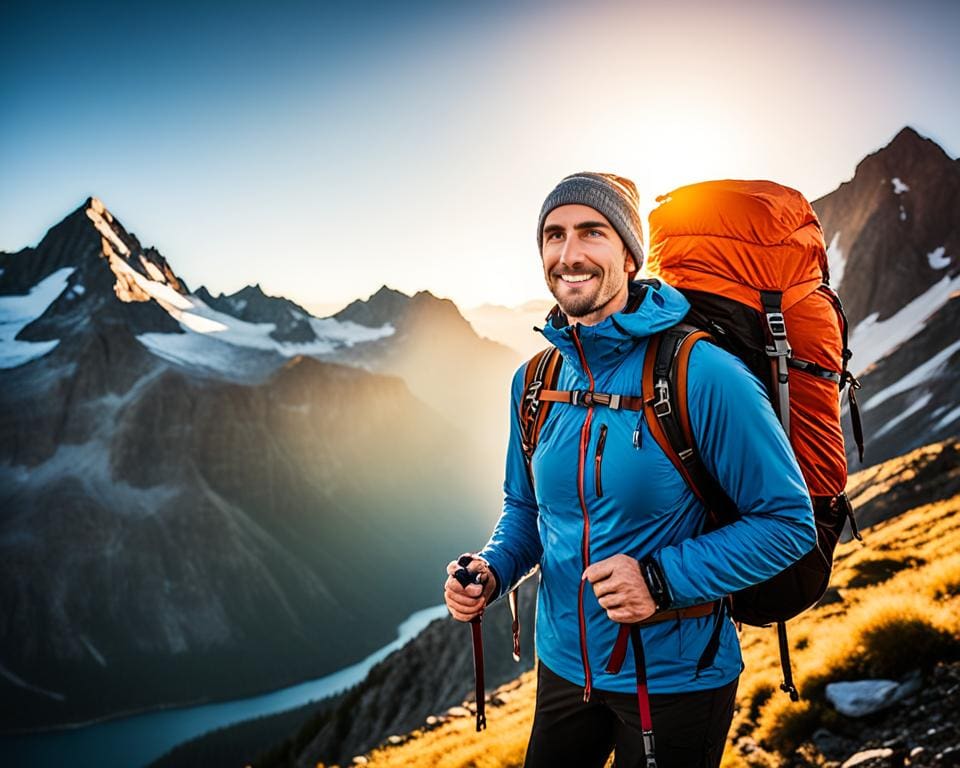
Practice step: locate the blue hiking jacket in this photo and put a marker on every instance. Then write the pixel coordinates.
(636, 503)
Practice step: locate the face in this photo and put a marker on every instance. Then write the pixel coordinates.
(586, 265)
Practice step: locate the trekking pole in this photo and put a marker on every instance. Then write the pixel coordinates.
(466, 578)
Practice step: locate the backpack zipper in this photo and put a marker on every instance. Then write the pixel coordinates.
(585, 541)
(601, 441)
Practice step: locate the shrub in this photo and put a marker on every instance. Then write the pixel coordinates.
(885, 636)
(942, 578)
(783, 724)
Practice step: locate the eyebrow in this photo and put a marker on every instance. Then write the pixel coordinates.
(581, 225)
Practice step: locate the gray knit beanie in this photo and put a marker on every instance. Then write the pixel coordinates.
(613, 196)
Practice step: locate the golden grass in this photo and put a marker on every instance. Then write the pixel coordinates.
(456, 744)
(900, 610)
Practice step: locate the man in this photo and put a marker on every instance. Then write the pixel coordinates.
(616, 531)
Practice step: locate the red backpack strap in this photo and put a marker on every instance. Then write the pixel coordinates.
(542, 372)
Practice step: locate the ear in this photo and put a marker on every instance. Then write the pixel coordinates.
(629, 265)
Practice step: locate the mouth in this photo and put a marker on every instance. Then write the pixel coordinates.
(579, 279)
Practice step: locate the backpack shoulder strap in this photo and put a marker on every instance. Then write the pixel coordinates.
(542, 372)
(664, 388)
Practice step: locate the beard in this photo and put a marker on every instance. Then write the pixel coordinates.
(582, 303)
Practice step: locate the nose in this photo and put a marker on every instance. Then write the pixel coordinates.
(570, 255)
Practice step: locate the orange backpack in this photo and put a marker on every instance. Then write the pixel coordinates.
(751, 259)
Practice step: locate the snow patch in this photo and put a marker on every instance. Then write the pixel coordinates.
(18, 311)
(836, 261)
(898, 186)
(204, 324)
(917, 376)
(917, 405)
(951, 417)
(872, 340)
(21, 683)
(93, 651)
(937, 258)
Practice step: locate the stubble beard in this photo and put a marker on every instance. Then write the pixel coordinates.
(586, 304)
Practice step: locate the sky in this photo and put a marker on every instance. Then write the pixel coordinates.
(323, 150)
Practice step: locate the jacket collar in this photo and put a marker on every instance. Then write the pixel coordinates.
(652, 306)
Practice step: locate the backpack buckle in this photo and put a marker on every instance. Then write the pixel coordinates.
(777, 325)
(661, 406)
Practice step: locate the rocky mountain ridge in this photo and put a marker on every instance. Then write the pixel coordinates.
(893, 232)
(191, 508)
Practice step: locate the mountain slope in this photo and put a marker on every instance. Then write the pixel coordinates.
(894, 251)
(186, 526)
(436, 351)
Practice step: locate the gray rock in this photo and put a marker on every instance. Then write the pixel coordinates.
(861, 697)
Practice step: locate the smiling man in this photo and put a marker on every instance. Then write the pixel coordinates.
(617, 533)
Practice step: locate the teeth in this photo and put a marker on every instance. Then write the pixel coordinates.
(575, 278)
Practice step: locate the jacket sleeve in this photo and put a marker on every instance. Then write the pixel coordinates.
(514, 547)
(743, 445)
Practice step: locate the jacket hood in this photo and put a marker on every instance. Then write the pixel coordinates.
(652, 306)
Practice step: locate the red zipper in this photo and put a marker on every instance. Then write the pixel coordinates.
(585, 542)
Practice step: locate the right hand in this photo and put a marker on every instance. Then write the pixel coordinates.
(466, 603)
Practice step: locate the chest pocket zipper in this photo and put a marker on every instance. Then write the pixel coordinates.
(598, 461)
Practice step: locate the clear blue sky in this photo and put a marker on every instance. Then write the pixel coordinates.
(323, 150)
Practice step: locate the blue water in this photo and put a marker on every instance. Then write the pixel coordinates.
(133, 742)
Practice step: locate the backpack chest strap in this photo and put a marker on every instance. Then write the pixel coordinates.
(588, 398)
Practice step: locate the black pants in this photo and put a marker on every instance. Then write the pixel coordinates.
(690, 729)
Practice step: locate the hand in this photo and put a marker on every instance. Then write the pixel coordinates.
(621, 589)
(466, 603)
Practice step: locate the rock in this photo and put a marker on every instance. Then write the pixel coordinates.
(872, 758)
(360, 760)
(830, 745)
(459, 712)
(861, 697)
(396, 741)
(949, 756)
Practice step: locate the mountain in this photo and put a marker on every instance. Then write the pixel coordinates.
(291, 321)
(513, 326)
(191, 507)
(894, 249)
(436, 351)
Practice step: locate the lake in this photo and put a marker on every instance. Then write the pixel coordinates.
(136, 741)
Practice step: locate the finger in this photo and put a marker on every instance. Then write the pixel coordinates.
(460, 595)
(452, 567)
(605, 587)
(610, 601)
(463, 606)
(463, 615)
(463, 598)
(598, 571)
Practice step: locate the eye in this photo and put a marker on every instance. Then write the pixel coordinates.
(554, 235)
(594, 233)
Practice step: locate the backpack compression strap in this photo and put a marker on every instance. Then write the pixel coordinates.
(542, 371)
(846, 377)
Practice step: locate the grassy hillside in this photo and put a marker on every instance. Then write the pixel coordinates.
(894, 606)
